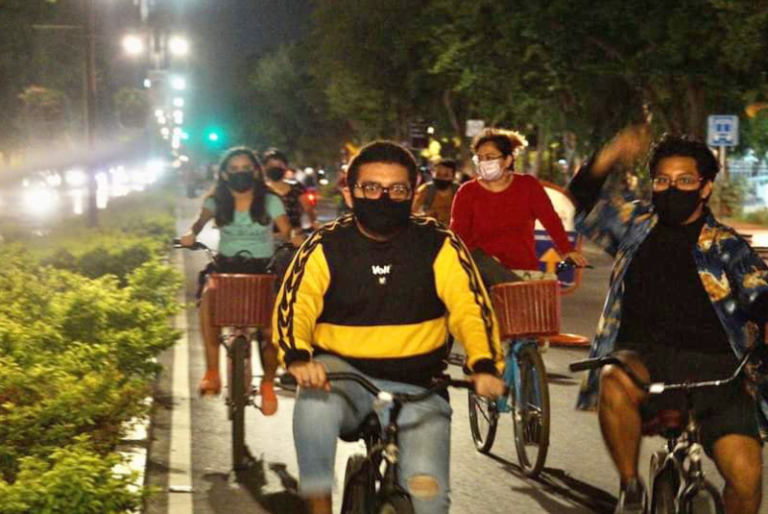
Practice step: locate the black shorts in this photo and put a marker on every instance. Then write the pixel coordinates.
(720, 411)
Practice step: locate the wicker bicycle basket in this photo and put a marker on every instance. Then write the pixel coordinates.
(241, 300)
(527, 308)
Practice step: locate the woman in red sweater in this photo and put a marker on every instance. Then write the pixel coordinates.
(496, 212)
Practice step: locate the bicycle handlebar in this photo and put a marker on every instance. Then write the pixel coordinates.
(440, 385)
(567, 264)
(657, 387)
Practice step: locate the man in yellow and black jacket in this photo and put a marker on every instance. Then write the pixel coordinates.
(376, 293)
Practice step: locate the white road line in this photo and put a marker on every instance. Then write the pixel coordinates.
(180, 465)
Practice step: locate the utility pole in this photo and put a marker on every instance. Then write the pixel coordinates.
(90, 104)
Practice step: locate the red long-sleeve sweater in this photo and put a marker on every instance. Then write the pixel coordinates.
(502, 224)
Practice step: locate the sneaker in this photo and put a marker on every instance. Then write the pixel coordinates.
(210, 384)
(268, 398)
(632, 499)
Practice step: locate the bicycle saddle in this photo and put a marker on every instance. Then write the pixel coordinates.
(668, 423)
(370, 427)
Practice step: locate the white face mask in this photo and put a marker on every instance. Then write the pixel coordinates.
(490, 170)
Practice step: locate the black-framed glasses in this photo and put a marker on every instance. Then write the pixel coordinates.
(683, 182)
(374, 190)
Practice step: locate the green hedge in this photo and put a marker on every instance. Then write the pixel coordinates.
(79, 330)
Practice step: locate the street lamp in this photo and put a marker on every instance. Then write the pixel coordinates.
(178, 46)
(178, 83)
(133, 45)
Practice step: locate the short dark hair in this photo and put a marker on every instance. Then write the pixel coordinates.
(448, 163)
(670, 145)
(383, 151)
(274, 153)
(508, 142)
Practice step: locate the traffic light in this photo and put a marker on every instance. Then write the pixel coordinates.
(213, 136)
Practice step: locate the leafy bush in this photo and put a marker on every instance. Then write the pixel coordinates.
(83, 314)
(758, 217)
(74, 480)
(76, 354)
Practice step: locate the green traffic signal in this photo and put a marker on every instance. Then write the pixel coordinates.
(213, 136)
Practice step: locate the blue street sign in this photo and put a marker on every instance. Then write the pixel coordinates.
(723, 130)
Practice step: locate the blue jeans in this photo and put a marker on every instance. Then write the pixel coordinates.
(320, 417)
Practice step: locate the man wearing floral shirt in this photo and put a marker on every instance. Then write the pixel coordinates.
(688, 298)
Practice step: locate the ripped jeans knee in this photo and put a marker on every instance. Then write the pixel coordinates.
(424, 487)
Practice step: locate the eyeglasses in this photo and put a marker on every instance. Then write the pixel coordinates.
(683, 182)
(374, 190)
(481, 158)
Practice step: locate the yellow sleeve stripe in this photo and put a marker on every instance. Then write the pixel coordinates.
(290, 291)
(382, 341)
(478, 291)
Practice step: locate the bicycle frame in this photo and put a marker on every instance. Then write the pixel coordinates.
(682, 453)
(512, 373)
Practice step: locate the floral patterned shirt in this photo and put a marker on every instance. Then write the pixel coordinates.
(733, 275)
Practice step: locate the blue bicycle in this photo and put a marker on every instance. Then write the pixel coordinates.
(526, 312)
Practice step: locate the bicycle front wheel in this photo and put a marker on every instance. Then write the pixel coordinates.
(238, 400)
(483, 420)
(531, 412)
(664, 493)
(357, 493)
(702, 498)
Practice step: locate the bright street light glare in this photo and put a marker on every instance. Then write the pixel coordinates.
(133, 45)
(179, 46)
(147, 83)
(178, 102)
(179, 83)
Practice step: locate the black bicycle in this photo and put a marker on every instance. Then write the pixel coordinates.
(371, 481)
(677, 481)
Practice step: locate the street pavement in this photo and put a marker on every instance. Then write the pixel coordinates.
(578, 478)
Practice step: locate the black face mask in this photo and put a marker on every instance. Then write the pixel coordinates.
(441, 183)
(275, 173)
(241, 182)
(382, 216)
(674, 206)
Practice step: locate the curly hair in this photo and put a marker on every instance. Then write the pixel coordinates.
(508, 142)
(670, 145)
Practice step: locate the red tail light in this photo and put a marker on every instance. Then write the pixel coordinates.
(312, 198)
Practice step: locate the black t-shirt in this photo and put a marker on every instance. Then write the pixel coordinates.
(664, 301)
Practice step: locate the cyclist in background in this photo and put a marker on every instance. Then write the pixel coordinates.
(495, 213)
(435, 198)
(374, 293)
(686, 298)
(244, 212)
(293, 194)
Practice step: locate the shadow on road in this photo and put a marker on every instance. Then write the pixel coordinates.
(556, 487)
(565, 380)
(252, 479)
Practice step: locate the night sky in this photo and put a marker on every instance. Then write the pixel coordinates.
(227, 34)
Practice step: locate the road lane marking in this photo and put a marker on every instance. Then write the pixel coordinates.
(180, 460)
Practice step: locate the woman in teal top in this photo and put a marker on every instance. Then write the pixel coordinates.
(244, 211)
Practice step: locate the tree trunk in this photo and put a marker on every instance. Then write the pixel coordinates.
(542, 143)
(695, 96)
(457, 123)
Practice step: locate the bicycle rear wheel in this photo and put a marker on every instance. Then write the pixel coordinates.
(396, 504)
(357, 493)
(702, 498)
(483, 420)
(238, 401)
(531, 412)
